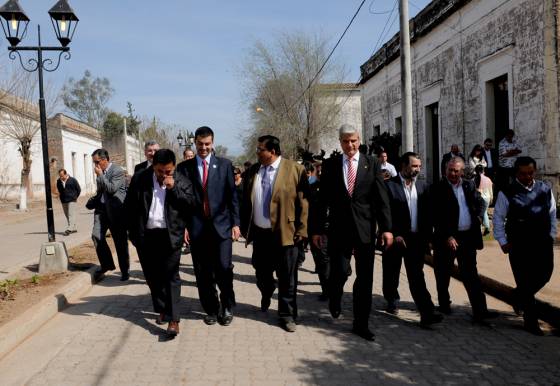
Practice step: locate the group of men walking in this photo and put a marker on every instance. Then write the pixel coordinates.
(347, 212)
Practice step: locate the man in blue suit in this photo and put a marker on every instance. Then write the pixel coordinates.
(214, 224)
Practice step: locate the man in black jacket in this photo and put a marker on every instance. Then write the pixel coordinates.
(213, 227)
(412, 229)
(354, 195)
(68, 191)
(458, 208)
(158, 204)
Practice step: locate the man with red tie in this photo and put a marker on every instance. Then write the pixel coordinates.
(214, 224)
(354, 195)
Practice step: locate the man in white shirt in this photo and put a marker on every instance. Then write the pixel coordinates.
(274, 218)
(158, 204)
(508, 151)
(387, 169)
(411, 228)
(525, 226)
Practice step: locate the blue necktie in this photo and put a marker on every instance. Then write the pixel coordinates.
(266, 193)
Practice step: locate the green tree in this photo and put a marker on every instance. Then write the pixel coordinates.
(87, 98)
(132, 120)
(113, 125)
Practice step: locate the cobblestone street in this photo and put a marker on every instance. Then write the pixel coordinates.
(110, 337)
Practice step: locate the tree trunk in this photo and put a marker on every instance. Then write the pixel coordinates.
(26, 190)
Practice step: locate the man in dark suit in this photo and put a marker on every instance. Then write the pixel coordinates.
(354, 195)
(150, 148)
(214, 224)
(68, 191)
(412, 230)
(109, 214)
(274, 218)
(458, 209)
(455, 152)
(491, 157)
(158, 204)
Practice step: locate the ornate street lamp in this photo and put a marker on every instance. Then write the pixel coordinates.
(14, 24)
(187, 140)
(180, 139)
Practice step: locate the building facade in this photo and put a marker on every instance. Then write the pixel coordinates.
(479, 67)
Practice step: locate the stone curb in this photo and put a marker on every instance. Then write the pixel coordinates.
(17, 330)
(503, 292)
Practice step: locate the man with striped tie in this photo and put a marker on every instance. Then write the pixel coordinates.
(353, 196)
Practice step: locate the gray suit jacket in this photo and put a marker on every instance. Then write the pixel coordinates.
(112, 187)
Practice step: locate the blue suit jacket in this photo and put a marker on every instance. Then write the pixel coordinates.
(222, 196)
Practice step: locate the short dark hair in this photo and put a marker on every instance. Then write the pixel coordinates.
(270, 142)
(164, 156)
(509, 132)
(236, 170)
(405, 158)
(488, 140)
(524, 161)
(101, 153)
(149, 143)
(63, 170)
(309, 168)
(247, 164)
(203, 131)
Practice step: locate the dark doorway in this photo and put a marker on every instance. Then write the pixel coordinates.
(432, 167)
(501, 107)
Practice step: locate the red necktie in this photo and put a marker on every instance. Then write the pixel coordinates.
(206, 204)
(351, 176)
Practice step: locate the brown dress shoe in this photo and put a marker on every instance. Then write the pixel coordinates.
(173, 328)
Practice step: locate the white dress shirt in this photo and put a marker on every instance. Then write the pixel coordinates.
(201, 167)
(412, 199)
(355, 161)
(258, 216)
(500, 214)
(465, 220)
(156, 215)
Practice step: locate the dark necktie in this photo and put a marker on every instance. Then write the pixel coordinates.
(266, 192)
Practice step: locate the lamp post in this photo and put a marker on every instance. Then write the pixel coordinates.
(14, 24)
(186, 140)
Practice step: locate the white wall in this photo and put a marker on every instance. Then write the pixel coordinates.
(80, 166)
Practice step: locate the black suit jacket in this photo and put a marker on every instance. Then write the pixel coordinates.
(141, 166)
(222, 196)
(346, 215)
(446, 211)
(70, 191)
(494, 155)
(178, 207)
(400, 213)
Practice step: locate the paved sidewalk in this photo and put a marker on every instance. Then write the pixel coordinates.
(110, 338)
(23, 233)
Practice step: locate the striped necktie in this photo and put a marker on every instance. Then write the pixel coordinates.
(351, 176)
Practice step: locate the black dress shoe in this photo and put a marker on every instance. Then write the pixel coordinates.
(533, 328)
(210, 319)
(226, 316)
(335, 310)
(99, 274)
(392, 307)
(429, 319)
(445, 309)
(265, 304)
(125, 276)
(364, 333)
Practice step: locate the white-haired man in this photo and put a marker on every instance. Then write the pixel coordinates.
(355, 197)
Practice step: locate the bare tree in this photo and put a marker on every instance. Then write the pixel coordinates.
(20, 120)
(283, 87)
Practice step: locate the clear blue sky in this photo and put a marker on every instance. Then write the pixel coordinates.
(177, 59)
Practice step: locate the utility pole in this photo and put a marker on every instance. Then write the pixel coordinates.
(406, 79)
